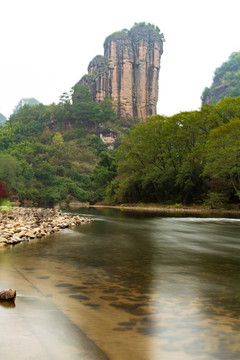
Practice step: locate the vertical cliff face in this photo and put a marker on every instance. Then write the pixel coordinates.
(118, 50)
(147, 48)
(128, 71)
(97, 78)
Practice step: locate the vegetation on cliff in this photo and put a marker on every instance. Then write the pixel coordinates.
(144, 25)
(226, 81)
(150, 26)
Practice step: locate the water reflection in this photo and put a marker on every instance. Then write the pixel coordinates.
(7, 304)
(128, 287)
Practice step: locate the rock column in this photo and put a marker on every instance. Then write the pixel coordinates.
(128, 72)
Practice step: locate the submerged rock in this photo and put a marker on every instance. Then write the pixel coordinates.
(8, 294)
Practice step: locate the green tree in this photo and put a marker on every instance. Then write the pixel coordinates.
(103, 173)
(81, 93)
(6, 137)
(9, 171)
(57, 140)
(161, 160)
(223, 154)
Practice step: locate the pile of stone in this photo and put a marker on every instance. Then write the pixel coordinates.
(24, 224)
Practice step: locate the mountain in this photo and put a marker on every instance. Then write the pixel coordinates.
(25, 101)
(226, 81)
(48, 153)
(3, 119)
(129, 71)
(65, 152)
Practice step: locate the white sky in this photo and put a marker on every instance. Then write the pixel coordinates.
(46, 45)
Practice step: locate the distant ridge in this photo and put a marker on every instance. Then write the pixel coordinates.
(3, 119)
(25, 101)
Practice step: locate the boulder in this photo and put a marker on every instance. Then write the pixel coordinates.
(8, 294)
(3, 241)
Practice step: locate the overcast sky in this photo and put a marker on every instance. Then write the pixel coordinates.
(46, 45)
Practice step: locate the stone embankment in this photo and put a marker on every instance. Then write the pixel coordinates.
(24, 224)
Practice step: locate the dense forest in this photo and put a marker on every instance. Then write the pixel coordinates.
(191, 157)
(54, 153)
(48, 153)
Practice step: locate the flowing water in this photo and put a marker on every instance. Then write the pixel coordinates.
(125, 287)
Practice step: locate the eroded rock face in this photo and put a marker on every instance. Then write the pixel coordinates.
(128, 72)
(97, 78)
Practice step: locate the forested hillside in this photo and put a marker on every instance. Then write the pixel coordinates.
(226, 81)
(55, 153)
(48, 153)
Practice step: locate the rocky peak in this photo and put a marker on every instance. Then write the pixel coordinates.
(129, 71)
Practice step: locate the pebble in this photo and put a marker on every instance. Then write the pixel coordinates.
(25, 224)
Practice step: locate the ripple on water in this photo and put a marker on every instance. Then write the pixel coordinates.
(79, 297)
(93, 306)
(109, 298)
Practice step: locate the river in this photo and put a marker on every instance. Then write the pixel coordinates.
(126, 286)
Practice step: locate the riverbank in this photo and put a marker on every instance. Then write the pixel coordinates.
(24, 224)
(170, 209)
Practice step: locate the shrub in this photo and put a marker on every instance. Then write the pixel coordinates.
(215, 200)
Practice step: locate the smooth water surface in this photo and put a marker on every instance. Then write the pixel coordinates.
(125, 287)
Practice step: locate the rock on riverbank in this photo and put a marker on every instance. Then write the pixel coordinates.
(8, 294)
(24, 224)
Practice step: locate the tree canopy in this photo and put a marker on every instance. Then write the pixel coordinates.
(54, 153)
(179, 159)
(48, 153)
